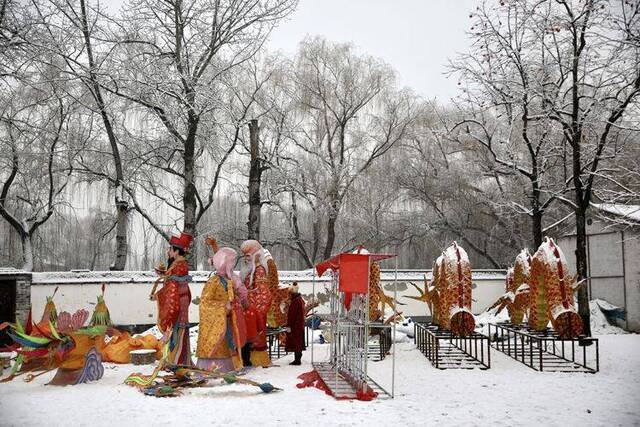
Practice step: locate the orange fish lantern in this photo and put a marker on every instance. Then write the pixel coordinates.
(519, 286)
(458, 290)
(551, 293)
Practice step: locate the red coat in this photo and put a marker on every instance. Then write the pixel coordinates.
(174, 297)
(255, 316)
(295, 321)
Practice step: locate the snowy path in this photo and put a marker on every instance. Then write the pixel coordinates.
(508, 394)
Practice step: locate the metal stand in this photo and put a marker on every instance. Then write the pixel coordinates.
(447, 351)
(546, 351)
(346, 371)
(276, 350)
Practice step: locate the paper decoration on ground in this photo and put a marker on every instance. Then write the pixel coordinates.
(120, 345)
(181, 377)
(552, 292)
(449, 294)
(50, 313)
(91, 371)
(101, 312)
(64, 345)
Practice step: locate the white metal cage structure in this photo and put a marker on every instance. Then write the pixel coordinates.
(346, 369)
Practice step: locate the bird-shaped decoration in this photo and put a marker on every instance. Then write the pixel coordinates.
(100, 315)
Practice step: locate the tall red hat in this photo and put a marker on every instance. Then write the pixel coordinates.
(182, 242)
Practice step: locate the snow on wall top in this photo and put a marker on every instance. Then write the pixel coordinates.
(10, 271)
(80, 277)
(631, 212)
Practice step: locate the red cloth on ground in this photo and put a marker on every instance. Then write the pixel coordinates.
(295, 321)
(312, 379)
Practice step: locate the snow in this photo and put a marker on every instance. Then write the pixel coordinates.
(451, 255)
(599, 323)
(406, 327)
(631, 212)
(545, 254)
(490, 316)
(507, 394)
(83, 277)
(523, 260)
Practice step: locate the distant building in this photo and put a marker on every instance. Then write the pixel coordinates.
(613, 251)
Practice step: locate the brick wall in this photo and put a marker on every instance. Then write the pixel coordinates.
(22, 282)
(23, 297)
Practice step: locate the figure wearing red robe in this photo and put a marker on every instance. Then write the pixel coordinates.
(255, 279)
(259, 297)
(173, 303)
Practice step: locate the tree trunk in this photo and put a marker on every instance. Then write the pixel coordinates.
(255, 175)
(189, 201)
(120, 202)
(296, 232)
(121, 235)
(331, 236)
(536, 223)
(27, 251)
(536, 212)
(581, 267)
(536, 220)
(581, 231)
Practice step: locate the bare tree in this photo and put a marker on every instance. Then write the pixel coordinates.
(172, 57)
(503, 104)
(447, 189)
(36, 156)
(596, 65)
(353, 117)
(69, 33)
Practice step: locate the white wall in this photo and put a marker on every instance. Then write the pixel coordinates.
(127, 293)
(614, 267)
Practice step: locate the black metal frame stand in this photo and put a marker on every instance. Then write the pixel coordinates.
(546, 351)
(276, 351)
(447, 351)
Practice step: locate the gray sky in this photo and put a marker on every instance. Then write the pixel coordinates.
(416, 37)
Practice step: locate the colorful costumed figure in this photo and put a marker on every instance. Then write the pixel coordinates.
(173, 301)
(295, 322)
(221, 333)
(254, 274)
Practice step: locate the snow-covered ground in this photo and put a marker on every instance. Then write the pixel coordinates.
(508, 394)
